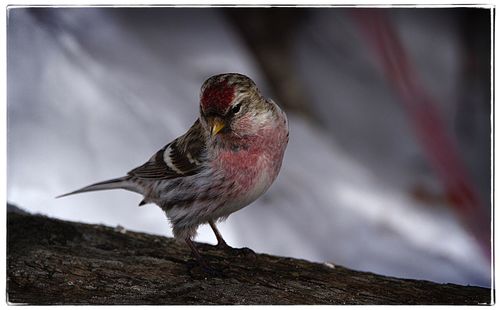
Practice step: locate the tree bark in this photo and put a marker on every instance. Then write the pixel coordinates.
(58, 262)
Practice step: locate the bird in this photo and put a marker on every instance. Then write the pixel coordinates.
(227, 159)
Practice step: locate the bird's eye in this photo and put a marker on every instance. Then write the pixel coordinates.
(236, 108)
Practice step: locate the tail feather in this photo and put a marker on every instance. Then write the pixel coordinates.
(118, 183)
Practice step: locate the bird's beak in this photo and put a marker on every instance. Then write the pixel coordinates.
(216, 125)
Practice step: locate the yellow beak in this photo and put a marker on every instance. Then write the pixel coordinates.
(216, 125)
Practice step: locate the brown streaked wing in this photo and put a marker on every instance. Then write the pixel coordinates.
(185, 155)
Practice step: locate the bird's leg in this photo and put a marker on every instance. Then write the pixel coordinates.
(201, 261)
(197, 254)
(221, 244)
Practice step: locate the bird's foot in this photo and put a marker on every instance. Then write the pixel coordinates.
(244, 252)
(222, 245)
(195, 266)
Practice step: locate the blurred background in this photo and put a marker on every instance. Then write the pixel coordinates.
(388, 165)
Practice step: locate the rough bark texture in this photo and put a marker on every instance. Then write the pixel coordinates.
(57, 262)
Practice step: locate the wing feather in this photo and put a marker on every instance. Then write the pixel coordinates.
(182, 157)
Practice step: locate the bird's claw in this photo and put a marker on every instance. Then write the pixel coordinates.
(245, 252)
(203, 267)
(214, 272)
(222, 246)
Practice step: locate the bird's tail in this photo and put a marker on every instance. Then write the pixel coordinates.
(118, 183)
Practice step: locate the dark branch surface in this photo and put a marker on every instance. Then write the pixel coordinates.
(51, 261)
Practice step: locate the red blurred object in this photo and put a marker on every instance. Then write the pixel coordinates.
(439, 146)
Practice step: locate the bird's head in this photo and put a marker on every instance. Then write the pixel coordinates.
(230, 103)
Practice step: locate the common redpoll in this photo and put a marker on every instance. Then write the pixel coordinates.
(226, 160)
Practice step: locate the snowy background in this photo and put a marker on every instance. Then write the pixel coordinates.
(94, 92)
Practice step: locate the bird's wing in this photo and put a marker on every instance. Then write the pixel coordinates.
(182, 157)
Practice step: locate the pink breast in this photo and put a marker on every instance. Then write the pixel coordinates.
(261, 157)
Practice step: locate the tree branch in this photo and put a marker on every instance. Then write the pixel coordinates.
(58, 262)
